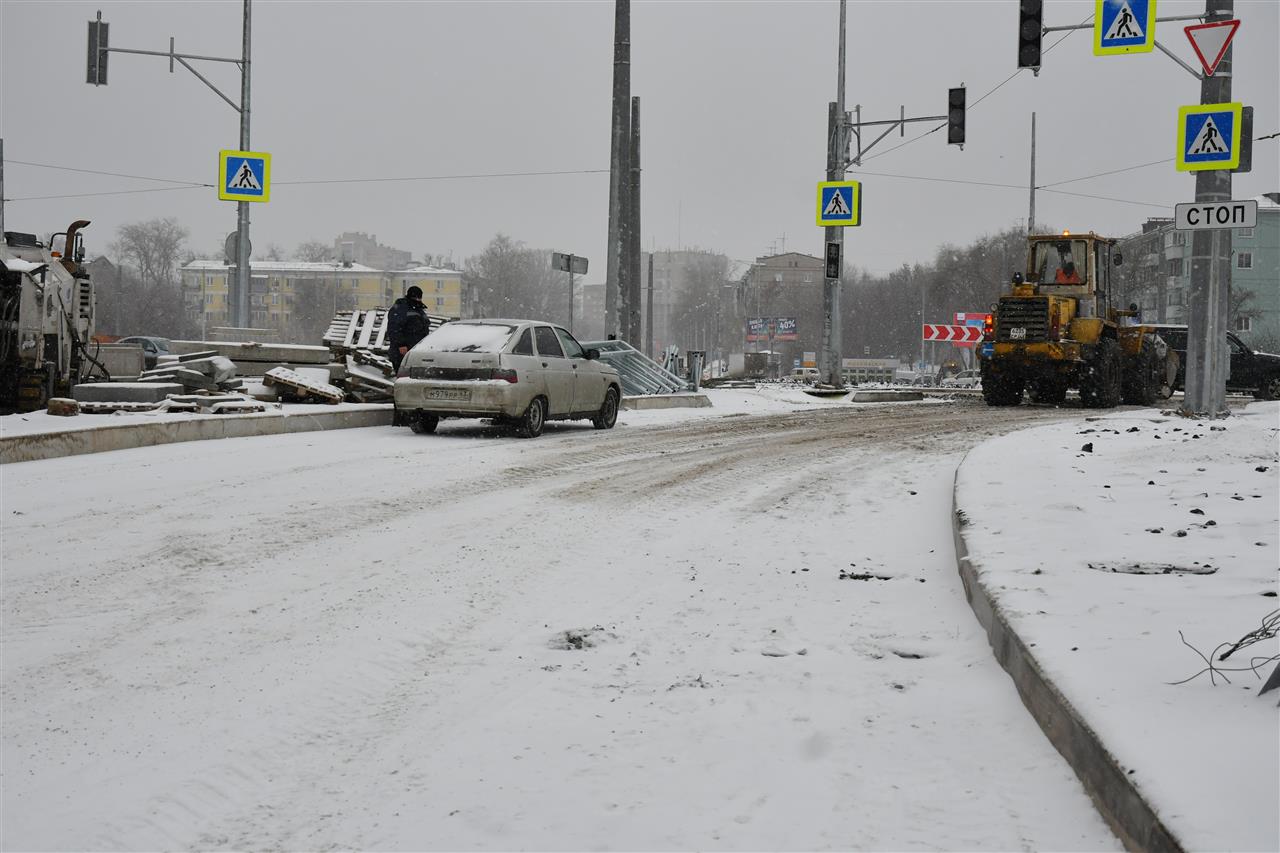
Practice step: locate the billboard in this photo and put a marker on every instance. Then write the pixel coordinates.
(771, 329)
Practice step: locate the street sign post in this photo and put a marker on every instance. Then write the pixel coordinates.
(1199, 216)
(572, 264)
(1210, 42)
(244, 176)
(839, 204)
(1124, 26)
(1209, 137)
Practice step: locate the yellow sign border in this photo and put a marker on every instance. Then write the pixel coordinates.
(266, 175)
(1146, 47)
(855, 197)
(1237, 110)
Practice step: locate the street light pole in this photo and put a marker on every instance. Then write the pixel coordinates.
(242, 211)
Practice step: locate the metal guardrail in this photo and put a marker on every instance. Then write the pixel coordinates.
(640, 374)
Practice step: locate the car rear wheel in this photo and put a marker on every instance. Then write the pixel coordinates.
(608, 414)
(424, 423)
(534, 418)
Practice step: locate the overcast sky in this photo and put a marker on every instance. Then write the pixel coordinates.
(734, 109)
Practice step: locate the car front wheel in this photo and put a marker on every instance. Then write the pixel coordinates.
(534, 418)
(608, 414)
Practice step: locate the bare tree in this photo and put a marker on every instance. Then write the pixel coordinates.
(314, 251)
(147, 297)
(508, 279)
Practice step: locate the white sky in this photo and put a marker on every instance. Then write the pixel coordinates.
(734, 102)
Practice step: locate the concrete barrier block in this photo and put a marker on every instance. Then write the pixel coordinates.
(667, 401)
(124, 392)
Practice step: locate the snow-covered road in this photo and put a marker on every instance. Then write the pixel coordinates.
(727, 632)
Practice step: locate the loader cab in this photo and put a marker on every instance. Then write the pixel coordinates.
(1072, 266)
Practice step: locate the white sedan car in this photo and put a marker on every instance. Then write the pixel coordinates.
(964, 379)
(521, 371)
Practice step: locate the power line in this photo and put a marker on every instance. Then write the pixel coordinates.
(116, 192)
(111, 174)
(941, 180)
(1109, 198)
(1060, 40)
(443, 177)
(1112, 172)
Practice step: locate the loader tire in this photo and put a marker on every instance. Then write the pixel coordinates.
(1100, 388)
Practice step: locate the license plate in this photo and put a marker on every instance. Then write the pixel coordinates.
(448, 394)
(1017, 333)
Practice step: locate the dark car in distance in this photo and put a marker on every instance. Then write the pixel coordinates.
(1258, 373)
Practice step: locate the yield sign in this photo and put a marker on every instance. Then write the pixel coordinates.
(966, 334)
(1212, 40)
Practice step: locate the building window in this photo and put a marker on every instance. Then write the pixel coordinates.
(1244, 232)
(1175, 266)
(439, 301)
(1179, 239)
(1244, 324)
(439, 285)
(1244, 260)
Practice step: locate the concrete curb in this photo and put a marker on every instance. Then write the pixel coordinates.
(51, 445)
(666, 401)
(1122, 806)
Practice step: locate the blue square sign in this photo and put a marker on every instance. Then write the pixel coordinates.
(244, 175)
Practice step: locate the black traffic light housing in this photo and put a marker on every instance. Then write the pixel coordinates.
(955, 116)
(1030, 32)
(97, 65)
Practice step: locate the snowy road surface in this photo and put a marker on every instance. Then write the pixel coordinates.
(658, 637)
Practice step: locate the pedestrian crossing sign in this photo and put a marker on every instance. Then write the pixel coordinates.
(1209, 137)
(1124, 26)
(839, 203)
(244, 176)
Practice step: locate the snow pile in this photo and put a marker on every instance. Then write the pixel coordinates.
(1103, 541)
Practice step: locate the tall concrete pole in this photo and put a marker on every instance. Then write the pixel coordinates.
(1208, 360)
(1, 187)
(829, 357)
(1031, 214)
(648, 319)
(243, 313)
(617, 158)
(633, 249)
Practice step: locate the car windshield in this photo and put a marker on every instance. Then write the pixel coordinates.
(467, 337)
(1060, 261)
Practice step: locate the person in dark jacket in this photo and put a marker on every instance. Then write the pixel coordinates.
(406, 325)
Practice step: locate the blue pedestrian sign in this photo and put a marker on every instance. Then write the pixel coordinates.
(839, 203)
(1209, 137)
(1124, 26)
(244, 176)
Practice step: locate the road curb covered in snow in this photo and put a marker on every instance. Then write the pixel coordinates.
(1121, 805)
(51, 445)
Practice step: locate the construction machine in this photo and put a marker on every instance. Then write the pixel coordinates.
(1057, 329)
(46, 318)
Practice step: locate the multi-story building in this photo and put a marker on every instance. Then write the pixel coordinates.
(355, 247)
(1156, 274)
(297, 299)
(785, 286)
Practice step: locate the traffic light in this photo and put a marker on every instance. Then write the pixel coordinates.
(955, 116)
(97, 71)
(1246, 141)
(1030, 21)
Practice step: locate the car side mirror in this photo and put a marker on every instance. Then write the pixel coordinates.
(592, 354)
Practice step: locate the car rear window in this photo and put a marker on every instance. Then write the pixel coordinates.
(548, 344)
(468, 337)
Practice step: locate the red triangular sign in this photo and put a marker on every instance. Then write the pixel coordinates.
(1210, 42)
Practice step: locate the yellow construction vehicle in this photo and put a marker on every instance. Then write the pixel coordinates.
(1057, 329)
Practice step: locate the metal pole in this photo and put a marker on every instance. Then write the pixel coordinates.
(1208, 361)
(571, 293)
(242, 208)
(1, 187)
(633, 247)
(648, 320)
(1031, 216)
(829, 357)
(617, 155)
